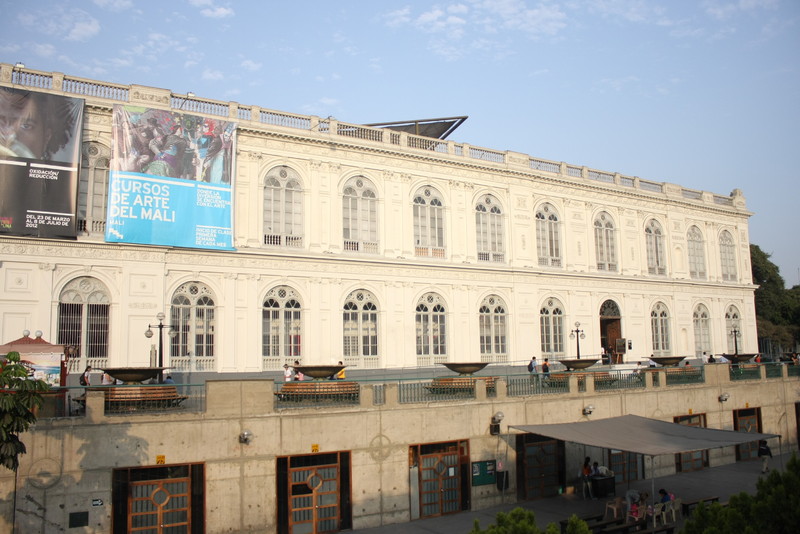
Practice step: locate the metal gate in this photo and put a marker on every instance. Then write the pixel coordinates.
(747, 420)
(314, 505)
(540, 469)
(160, 506)
(440, 484)
(694, 460)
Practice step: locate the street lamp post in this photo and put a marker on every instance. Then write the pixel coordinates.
(149, 333)
(735, 333)
(577, 335)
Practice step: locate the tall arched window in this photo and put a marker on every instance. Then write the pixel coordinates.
(492, 327)
(489, 229)
(281, 327)
(656, 260)
(548, 236)
(283, 208)
(193, 318)
(697, 254)
(733, 331)
(93, 188)
(83, 316)
(702, 330)
(551, 328)
(430, 322)
(428, 223)
(659, 326)
(360, 330)
(605, 242)
(727, 255)
(360, 216)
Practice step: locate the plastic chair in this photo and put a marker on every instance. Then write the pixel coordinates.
(616, 507)
(673, 509)
(659, 513)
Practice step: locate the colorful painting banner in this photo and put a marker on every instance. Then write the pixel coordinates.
(170, 182)
(40, 140)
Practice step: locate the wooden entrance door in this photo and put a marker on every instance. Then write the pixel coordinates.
(540, 468)
(747, 420)
(160, 506)
(314, 505)
(695, 460)
(440, 483)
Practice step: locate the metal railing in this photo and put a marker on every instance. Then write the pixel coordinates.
(744, 372)
(685, 375)
(71, 401)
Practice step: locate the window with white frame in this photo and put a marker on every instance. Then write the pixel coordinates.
(492, 330)
(733, 329)
(360, 216)
(430, 321)
(548, 236)
(697, 254)
(605, 242)
(93, 188)
(360, 329)
(656, 260)
(428, 223)
(489, 229)
(702, 330)
(281, 327)
(193, 318)
(283, 208)
(659, 326)
(551, 328)
(83, 320)
(727, 255)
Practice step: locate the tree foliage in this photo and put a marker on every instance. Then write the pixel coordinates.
(521, 521)
(20, 396)
(775, 508)
(777, 309)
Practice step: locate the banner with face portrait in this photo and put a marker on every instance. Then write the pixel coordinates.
(171, 179)
(40, 140)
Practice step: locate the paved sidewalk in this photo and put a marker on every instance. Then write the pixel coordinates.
(721, 482)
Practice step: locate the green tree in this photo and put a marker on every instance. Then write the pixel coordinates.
(20, 396)
(521, 521)
(777, 309)
(775, 508)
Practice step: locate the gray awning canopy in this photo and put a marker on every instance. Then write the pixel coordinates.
(651, 437)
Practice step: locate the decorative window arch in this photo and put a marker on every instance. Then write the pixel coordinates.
(702, 330)
(697, 255)
(283, 208)
(656, 259)
(489, 229)
(83, 321)
(548, 236)
(431, 332)
(493, 330)
(551, 328)
(93, 188)
(360, 216)
(281, 327)
(733, 325)
(193, 317)
(605, 242)
(727, 255)
(660, 329)
(428, 223)
(360, 346)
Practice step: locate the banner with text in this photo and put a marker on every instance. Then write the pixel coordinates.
(40, 140)
(171, 179)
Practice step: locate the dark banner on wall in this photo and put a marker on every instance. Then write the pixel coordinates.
(39, 163)
(171, 179)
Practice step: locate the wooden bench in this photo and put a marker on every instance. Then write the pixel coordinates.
(605, 523)
(561, 379)
(459, 384)
(318, 390)
(686, 506)
(661, 529)
(588, 518)
(624, 528)
(132, 398)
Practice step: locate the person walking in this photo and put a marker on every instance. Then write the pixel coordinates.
(765, 453)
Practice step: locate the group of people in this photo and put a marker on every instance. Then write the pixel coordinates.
(533, 368)
(588, 471)
(636, 502)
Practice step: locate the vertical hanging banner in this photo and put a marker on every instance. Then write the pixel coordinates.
(40, 140)
(171, 179)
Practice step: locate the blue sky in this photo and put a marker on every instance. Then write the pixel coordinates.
(701, 93)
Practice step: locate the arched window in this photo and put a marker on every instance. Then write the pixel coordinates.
(551, 328)
(428, 223)
(659, 326)
(489, 229)
(727, 255)
(697, 255)
(360, 330)
(605, 242)
(193, 318)
(83, 316)
(93, 189)
(492, 328)
(281, 327)
(733, 331)
(430, 322)
(283, 208)
(548, 236)
(702, 330)
(656, 260)
(360, 216)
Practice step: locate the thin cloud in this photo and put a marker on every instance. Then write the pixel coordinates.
(73, 24)
(217, 12)
(114, 5)
(249, 64)
(212, 74)
(83, 30)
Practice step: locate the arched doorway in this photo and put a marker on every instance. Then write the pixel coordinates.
(611, 331)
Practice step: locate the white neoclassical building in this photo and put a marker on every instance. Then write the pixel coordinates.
(382, 248)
